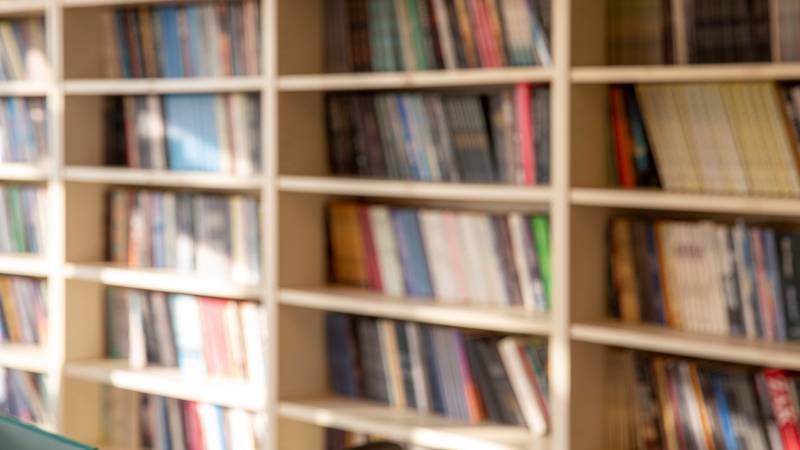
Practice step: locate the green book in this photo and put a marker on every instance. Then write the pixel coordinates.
(541, 235)
(15, 219)
(20, 436)
(415, 24)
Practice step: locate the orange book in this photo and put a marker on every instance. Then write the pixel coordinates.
(477, 410)
(10, 310)
(347, 246)
(623, 145)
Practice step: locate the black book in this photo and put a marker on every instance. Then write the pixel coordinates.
(500, 384)
(470, 138)
(789, 254)
(483, 381)
(340, 135)
(541, 125)
(405, 363)
(115, 154)
(372, 360)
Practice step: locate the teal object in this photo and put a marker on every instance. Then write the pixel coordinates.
(15, 435)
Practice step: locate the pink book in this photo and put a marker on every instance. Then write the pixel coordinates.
(522, 105)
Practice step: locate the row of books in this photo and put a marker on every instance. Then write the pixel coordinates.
(441, 370)
(699, 31)
(134, 420)
(731, 138)
(205, 233)
(22, 219)
(198, 335)
(336, 439)
(23, 396)
(503, 136)
(23, 129)
(22, 50)
(385, 35)
(704, 277)
(194, 40)
(185, 132)
(450, 256)
(658, 402)
(23, 310)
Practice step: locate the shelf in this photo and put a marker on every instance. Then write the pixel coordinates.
(23, 265)
(22, 172)
(101, 3)
(24, 87)
(420, 429)
(685, 73)
(162, 85)
(676, 201)
(161, 280)
(169, 382)
(410, 80)
(22, 6)
(367, 187)
(661, 339)
(367, 303)
(160, 178)
(30, 358)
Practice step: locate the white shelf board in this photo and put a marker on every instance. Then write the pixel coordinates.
(22, 172)
(661, 339)
(417, 79)
(369, 187)
(404, 425)
(685, 73)
(24, 265)
(101, 3)
(169, 382)
(676, 201)
(22, 6)
(369, 303)
(161, 178)
(24, 88)
(161, 85)
(30, 358)
(161, 280)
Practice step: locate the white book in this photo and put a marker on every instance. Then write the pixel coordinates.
(524, 392)
(433, 238)
(420, 382)
(490, 257)
(170, 208)
(252, 320)
(696, 125)
(516, 225)
(153, 121)
(235, 339)
(225, 147)
(240, 429)
(212, 422)
(238, 239)
(243, 164)
(137, 351)
(477, 278)
(721, 128)
(455, 246)
(186, 324)
(386, 250)
(654, 121)
(785, 153)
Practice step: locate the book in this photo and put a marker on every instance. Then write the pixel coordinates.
(23, 310)
(23, 54)
(23, 396)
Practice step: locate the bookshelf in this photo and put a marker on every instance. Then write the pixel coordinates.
(294, 187)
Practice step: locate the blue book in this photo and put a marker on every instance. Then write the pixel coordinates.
(170, 51)
(11, 122)
(185, 316)
(774, 274)
(22, 436)
(122, 43)
(433, 370)
(654, 272)
(750, 269)
(196, 47)
(192, 140)
(341, 354)
(219, 415)
(162, 437)
(717, 382)
(157, 237)
(408, 141)
(412, 253)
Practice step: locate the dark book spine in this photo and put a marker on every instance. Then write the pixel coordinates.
(405, 363)
(789, 246)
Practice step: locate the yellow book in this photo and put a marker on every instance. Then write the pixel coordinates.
(11, 47)
(723, 136)
(10, 310)
(391, 363)
(347, 246)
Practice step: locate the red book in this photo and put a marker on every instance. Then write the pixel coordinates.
(623, 145)
(221, 13)
(214, 340)
(477, 412)
(480, 33)
(783, 408)
(373, 271)
(522, 104)
(193, 431)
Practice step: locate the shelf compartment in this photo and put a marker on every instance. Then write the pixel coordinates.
(375, 304)
(23, 265)
(661, 339)
(169, 382)
(411, 80)
(367, 187)
(160, 178)
(421, 429)
(161, 280)
(676, 201)
(684, 73)
(27, 357)
(137, 86)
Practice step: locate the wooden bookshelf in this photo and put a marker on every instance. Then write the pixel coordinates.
(294, 187)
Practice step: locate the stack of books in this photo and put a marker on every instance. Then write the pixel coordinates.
(442, 370)
(444, 255)
(704, 277)
(387, 35)
(726, 138)
(23, 310)
(204, 233)
(23, 121)
(700, 31)
(23, 396)
(22, 221)
(503, 136)
(199, 335)
(662, 402)
(187, 132)
(195, 40)
(23, 55)
(148, 421)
